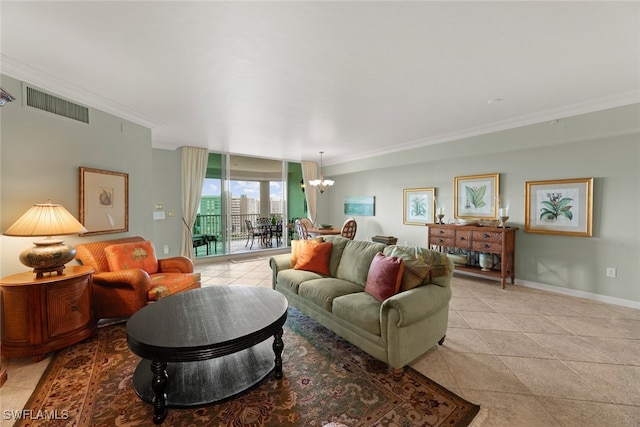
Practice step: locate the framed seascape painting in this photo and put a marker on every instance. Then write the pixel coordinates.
(562, 206)
(474, 196)
(104, 201)
(360, 205)
(418, 204)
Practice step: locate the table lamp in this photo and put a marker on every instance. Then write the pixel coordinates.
(46, 220)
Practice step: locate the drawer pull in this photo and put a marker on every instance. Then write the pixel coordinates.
(462, 239)
(486, 246)
(486, 236)
(74, 308)
(440, 241)
(441, 231)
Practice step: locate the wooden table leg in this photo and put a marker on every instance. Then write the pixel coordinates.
(158, 385)
(278, 346)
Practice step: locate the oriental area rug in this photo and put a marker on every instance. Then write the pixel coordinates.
(326, 380)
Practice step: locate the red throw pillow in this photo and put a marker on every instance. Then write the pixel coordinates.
(136, 255)
(314, 256)
(384, 277)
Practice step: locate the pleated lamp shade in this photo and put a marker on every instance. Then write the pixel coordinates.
(46, 219)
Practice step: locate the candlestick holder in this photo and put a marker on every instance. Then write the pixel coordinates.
(440, 216)
(503, 221)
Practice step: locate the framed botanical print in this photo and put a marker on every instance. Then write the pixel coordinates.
(474, 196)
(104, 201)
(418, 205)
(561, 206)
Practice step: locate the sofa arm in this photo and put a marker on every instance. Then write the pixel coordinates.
(415, 304)
(179, 264)
(137, 280)
(277, 264)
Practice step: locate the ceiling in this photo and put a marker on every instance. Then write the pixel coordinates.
(285, 80)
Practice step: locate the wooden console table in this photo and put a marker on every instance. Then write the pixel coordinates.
(44, 314)
(493, 240)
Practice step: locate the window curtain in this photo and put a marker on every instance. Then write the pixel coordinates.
(309, 173)
(194, 170)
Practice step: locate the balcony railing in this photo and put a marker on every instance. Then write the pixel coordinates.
(212, 225)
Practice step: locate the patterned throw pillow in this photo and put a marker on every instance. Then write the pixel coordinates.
(136, 255)
(415, 273)
(384, 277)
(314, 256)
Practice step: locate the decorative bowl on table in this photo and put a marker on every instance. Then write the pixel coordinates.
(326, 225)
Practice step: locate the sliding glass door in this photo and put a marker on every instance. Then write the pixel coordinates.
(240, 193)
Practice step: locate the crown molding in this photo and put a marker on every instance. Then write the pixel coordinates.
(23, 72)
(592, 106)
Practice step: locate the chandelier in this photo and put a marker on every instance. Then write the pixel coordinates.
(321, 184)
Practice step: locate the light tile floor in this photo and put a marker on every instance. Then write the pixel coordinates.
(528, 357)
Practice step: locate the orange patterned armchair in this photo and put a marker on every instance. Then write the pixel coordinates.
(129, 276)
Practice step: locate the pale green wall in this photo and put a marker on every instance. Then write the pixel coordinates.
(167, 191)
(40, 156)
(604, 145)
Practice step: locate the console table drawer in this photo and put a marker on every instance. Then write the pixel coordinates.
(463, 239)
(443, 241)
(486, 246)
(442, 232)
(487, 236)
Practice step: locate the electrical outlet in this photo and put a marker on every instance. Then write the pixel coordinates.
(611, 272)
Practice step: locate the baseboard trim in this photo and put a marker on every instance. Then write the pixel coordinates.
(564, 291)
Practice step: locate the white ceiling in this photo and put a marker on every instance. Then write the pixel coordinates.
(353, 79)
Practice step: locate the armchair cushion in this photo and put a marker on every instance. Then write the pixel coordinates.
(165, 284)
(135, 255)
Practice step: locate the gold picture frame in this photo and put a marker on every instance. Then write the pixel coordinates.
(559, 206)
(418, 206)
(104, 201)
(476, 196)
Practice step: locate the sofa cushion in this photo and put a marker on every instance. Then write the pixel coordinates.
(297, 244)
(339, 244)
(134, 255)
(322, 292)
(314, 256)
(356, 259)
(359, 309)
(415, 273)
(291, 278)
(385, 276)
(165, 284)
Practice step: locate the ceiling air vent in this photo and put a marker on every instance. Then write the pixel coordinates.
(46, 102)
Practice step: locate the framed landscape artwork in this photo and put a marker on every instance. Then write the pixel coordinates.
(562, 206)
(474, 196)
(104, 201)
(360, 205)
(418, 204)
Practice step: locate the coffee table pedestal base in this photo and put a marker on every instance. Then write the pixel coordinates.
(207, 381)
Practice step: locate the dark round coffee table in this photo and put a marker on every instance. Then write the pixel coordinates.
(206, 345)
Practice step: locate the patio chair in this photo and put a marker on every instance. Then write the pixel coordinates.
(252, 233)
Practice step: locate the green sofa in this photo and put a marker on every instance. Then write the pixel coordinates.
(397, 330)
